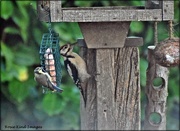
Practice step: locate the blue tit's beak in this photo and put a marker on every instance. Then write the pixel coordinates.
(36, 71)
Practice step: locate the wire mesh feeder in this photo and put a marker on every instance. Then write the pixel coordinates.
(50, 57)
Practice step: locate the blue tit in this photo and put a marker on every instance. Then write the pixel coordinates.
(43, 78)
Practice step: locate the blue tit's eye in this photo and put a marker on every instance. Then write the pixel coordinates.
(43, 70)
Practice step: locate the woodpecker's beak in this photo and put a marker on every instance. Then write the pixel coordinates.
(74, 43)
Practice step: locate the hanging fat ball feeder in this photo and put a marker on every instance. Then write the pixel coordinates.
(50, 56)
(166, 53)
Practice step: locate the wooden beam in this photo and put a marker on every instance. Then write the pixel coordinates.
(113, 91)
(168, 10)
(155, 10)
(43, 10)
(110, 15)
(106, 34)
(129, 42)
(56, 10)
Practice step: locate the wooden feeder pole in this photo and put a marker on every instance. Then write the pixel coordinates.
(113, 100)
(113, 91)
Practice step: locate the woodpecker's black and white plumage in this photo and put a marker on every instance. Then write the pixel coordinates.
(44, 79)
(75, 66)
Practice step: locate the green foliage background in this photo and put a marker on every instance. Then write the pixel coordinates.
(22, 100)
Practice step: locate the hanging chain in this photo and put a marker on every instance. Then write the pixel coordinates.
(50, 27)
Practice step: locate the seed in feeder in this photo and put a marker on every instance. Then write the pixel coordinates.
(50, 64)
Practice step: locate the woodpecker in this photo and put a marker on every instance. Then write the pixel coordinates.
(43, 78)
(75, 66)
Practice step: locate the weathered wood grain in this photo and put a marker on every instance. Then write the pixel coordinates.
(43, 10)
(113, 95)
(156, 97)
(104, 34)
(89, 113)
(56, 10)
(111, 15)
(168, 10)
(154, 11)
(129, 42)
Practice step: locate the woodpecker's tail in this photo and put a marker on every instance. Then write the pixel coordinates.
(84, 97)
(83, 93)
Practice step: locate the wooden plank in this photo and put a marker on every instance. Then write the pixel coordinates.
(155, 11)
(113, 93)
(129, 42)
(89, 113)
(43, 8)
(106, 34)
(109, 15)
(133, 41)
(118, 89)
(168, 10)
(156, 95)
(56, 11)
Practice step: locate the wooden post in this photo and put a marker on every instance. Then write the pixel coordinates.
(113, 92)
(156, 95)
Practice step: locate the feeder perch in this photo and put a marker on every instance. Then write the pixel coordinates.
(50, 56)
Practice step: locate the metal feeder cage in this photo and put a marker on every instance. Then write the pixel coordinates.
(51, 41)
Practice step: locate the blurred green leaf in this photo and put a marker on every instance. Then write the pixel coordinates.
(22, 19)
(18, 90)
(8, 75)
(11, 30)
(24, 56)
(6, 9)
(83, 3)
(8, 54)
(150, 35)
(52, 105)
(162, 32)
(138, 3)
(143, 68)
(136, 27)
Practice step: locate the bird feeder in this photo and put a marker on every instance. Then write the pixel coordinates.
(50, 56)
(113, 94)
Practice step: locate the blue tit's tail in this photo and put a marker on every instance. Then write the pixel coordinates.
(57, 88)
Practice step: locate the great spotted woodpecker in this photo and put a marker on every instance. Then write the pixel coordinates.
(75, 66)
